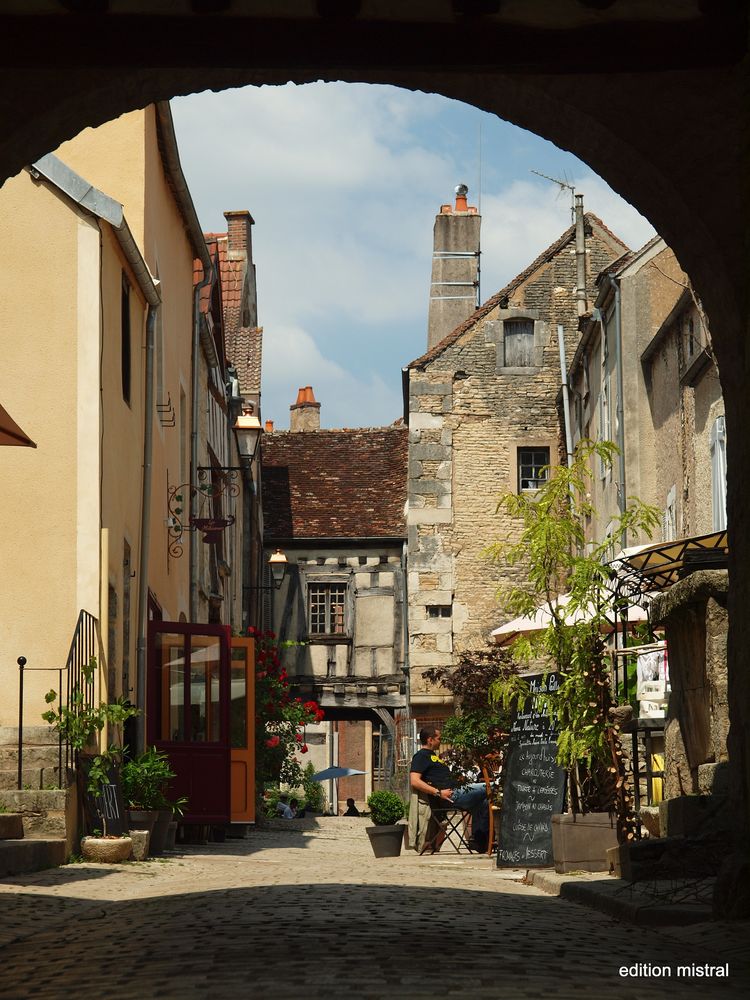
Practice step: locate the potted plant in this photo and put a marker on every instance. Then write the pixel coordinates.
(79, 724)
(553, 548)
(144, 784)
(387, 836)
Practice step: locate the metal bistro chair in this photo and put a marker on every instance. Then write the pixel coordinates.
(448, 824)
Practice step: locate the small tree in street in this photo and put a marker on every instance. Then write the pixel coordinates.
(553, 550)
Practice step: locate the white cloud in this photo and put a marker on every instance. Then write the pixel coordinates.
(343, 182)
(292, 359)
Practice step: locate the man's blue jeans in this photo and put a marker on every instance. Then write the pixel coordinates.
(472, 797)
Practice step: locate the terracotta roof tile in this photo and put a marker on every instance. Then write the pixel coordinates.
(335, 483)
(495, 300)
(245, 351)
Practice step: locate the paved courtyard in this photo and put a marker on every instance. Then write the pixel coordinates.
(293, 913)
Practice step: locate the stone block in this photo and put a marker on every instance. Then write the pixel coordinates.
(434, 486)
(582, 842)
(713, 779)
(694, 814)
(421, 421)
(430, 515)
(433, 451)
(423, 387)
(430, 597)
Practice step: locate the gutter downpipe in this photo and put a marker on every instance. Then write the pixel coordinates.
(565, 394)
(148, 436)
(621, 493)
(194, 415)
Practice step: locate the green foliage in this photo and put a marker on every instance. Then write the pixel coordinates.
(279, 718)
(315, 797)
(79, 723)
(386, 808)
(145, 780)
(478, 729)
(552, 550)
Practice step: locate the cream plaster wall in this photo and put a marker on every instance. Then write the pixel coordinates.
(49, 552)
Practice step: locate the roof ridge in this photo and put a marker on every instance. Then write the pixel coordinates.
(494, 300)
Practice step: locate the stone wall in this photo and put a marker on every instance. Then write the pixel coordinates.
(468, 415)
(694, 615)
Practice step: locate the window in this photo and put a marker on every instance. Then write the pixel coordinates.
(518, 338)
(438, 610)
(532, 468)
(125, 338)
(326, 603)
(719, 473)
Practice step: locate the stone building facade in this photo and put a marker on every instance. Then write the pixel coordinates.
(643, 375)
(482, 421)
(333, 501)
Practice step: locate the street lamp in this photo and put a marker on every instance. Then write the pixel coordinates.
(247, 428)
(278, 563)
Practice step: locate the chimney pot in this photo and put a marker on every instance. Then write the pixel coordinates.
(300, 396)
(269, 427)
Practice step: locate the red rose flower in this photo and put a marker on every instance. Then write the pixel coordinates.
(272, 741)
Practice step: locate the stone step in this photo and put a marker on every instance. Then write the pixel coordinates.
(32, 736)
(19, 856)
(33, 756)
(32, 779)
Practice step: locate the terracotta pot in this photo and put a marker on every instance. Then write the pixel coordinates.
(106, 851)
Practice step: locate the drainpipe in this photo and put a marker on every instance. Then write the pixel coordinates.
(620, 409)
(405, 620)
(148, 436)
(581, 302)
(194, 415)
(566, 398)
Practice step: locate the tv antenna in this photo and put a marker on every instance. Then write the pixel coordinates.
(564, 186)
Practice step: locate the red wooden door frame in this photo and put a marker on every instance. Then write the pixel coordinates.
(202, 768)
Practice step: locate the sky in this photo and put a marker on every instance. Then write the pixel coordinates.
(344, 182)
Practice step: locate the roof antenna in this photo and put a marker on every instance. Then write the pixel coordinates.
(563, 185)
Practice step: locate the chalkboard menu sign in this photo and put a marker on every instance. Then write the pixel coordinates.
(534, 786)
(108, 805)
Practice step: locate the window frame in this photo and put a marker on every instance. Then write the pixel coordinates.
(327, 588)
(534, 465)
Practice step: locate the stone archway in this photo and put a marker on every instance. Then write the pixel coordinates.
(657, 107)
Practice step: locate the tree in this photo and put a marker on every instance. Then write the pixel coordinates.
(553, 550)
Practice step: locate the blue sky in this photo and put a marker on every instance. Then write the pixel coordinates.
(344, 182)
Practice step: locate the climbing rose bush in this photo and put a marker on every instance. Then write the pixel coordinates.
(280, 719)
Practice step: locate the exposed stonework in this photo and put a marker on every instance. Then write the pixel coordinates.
(694, 614)
(469, 413)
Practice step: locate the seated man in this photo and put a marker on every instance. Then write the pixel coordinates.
(429, 775)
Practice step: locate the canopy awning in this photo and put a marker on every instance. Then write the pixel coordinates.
(11, 433)
(541, 618)
(644, 568)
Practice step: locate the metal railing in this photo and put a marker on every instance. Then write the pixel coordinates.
(84, 645)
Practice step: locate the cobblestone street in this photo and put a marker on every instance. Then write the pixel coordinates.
(293, 913)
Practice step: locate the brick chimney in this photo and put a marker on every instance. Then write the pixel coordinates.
(455, 267)
(304, 415)
(239, 235)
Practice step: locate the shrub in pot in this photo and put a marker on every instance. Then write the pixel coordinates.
(144, 784)
(387, 836)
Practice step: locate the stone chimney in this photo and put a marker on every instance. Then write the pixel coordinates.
(454, 292)
(239, 235)
(304, 415)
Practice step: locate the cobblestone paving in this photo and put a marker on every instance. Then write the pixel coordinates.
(313, 914)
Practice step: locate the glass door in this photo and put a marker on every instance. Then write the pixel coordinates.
(188, 713)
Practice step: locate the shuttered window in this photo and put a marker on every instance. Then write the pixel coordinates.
(719, 474)
(518, 336)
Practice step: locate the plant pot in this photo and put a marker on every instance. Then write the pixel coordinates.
(386, 841)
(141, 839)
(580, 843)
(171, 835)
(142, 819)
(159, 833)
(105, 850)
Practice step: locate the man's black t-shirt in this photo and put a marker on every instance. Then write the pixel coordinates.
(432, 769)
